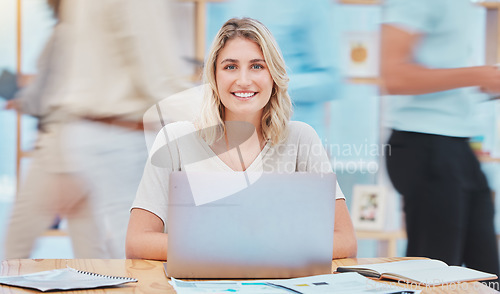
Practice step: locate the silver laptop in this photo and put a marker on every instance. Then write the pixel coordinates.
(248, 225)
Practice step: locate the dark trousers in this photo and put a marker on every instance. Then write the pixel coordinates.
(447, 202)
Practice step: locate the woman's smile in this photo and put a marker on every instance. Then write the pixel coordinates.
(244, 95)
(243, 79)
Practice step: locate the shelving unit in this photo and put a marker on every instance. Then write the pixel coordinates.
(366, 81)
(19, 152)
(492, 54)
(200, 10)
(388, 240)
(361, 2)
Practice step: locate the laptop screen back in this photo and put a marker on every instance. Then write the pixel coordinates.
(275, 226)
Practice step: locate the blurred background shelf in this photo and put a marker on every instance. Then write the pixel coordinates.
(368, 81)
(361, 2)
(357, 110)
(387, 240)
(489, 4)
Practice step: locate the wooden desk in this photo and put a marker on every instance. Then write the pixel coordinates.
(152, 278)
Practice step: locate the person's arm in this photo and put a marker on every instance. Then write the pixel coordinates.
(344, 239)
(145, 237)
(402, 76)
(13, 104)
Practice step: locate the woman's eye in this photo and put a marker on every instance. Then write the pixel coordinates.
(257, 66)
(230, 67)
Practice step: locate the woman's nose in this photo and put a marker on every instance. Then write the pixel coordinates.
(243, 78)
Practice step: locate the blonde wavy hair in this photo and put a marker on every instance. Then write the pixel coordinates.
(277, 111)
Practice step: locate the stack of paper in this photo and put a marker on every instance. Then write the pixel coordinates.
(333, 283)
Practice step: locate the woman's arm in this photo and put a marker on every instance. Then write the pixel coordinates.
(145, 237)
(344, 238)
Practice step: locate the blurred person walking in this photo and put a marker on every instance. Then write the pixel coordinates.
(105, 64)
(447, 202)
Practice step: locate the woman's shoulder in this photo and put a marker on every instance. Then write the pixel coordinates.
(300, 129)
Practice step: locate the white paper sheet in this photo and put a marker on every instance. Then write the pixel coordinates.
(348, 283)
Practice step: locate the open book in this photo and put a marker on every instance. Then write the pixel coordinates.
(429, 272)
(63, 279)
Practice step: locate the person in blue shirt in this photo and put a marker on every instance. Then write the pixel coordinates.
(303, 32)
(447, 202)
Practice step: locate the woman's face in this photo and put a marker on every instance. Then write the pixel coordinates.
(243, 80)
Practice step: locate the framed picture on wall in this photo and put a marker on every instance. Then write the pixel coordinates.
(361, 54)
(368, 207)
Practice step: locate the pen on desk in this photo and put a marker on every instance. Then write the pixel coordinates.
(403, 292)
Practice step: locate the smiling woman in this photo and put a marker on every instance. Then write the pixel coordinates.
(247, 94)
(246, 41)
(244, 82)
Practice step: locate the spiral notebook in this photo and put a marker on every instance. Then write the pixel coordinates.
(63, 279)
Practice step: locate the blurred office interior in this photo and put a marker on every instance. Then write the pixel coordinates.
(354, 131)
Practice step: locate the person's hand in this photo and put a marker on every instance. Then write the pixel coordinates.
(489, 79)
(13, 105)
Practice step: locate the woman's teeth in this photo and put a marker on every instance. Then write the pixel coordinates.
(244, 95)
